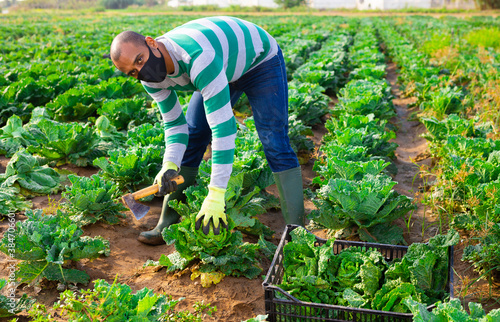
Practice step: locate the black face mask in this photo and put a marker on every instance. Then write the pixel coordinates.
(154, 70)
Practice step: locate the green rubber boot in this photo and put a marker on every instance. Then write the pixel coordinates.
(289, 183)
(168, 215)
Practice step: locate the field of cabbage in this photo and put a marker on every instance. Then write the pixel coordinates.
(76, 134)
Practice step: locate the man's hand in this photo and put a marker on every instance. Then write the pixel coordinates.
(164, 177)
(212, 211)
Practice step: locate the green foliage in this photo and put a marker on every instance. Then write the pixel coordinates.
(116, 4)
(440, 130)
(363, 57)
(289, 3)
(368, 71)
(8, 109)
(307, 101)
(316, 73)
(392, 295)
(24, 170)
(359, 130)
(13, 136)
(73, 105)
(11, 201)
(45, 244)
(123, 111)
(225, 253)
(426, 267)
(107, 132)
(63, 143)
(438, 40)
(306, 269)
(117, 302)
(339, 168)
(298, 134)
(307, 63)
(89, 200)
(297, 50)
(366, 97)
(461, 177)
(363, 204)
(451, 311)
(249, 148)
(356, 195)
(132, 167)
(79, 104)
(485, 255)
(467, 181)
(488, 37)
(351, 161)
(28, 90)
(443, 101)
(147, 134)
(377, 143)
(10, 306)
(344, 152)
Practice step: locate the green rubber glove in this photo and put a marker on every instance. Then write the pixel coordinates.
(168, 171)
(212, 211)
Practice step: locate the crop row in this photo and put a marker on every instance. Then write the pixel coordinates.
(356, 196)
(465, 190)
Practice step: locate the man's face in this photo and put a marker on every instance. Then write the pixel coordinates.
(132, 58)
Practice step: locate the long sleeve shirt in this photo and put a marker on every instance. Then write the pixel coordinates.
(208, 54)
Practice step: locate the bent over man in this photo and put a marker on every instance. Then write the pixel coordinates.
(218, 58)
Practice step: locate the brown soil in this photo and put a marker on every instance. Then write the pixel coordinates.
(239, 299)
(411, 147)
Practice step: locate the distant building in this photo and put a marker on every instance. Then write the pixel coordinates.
(332, 4)
(179, 3)
(220, 3)
(223, 3)
(393, 4)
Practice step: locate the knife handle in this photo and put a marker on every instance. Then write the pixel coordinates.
(153, 189)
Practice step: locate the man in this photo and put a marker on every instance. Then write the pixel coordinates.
(218, 58)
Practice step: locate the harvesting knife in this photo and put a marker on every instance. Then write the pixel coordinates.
(138, 209)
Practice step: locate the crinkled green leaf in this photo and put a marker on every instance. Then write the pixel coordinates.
(89, 200)
(23, 169)
(45, 242)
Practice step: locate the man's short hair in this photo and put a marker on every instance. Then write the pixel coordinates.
(125, 37)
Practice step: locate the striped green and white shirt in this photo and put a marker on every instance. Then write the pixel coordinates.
(208, 54)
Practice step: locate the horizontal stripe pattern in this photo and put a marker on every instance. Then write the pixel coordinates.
(208, 54)
(174, 123)
(225, 142)
(224, 42)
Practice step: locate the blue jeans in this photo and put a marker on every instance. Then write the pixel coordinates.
(267, 91)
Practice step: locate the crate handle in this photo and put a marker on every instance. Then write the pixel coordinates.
(290, 297)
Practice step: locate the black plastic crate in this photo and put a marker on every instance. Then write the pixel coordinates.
(292, 309)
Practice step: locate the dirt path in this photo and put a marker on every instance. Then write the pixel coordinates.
(411, 155)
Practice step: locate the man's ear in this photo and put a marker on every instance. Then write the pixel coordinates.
(151, 42)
